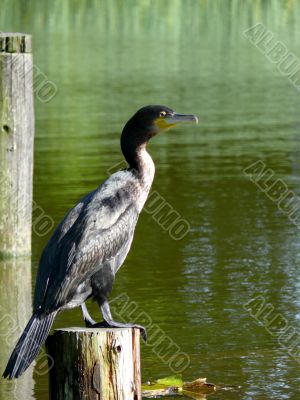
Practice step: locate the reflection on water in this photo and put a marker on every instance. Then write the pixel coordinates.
(108, 58)
(15, 310)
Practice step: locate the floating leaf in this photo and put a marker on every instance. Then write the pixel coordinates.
(198, 389)
(173, 380)
(174, 385)
(154, 393)
(199, 386)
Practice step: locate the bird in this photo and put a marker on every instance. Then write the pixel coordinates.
(90, 244)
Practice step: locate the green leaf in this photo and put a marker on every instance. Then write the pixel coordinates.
(152, 387)
(173, 380)
(174, 385)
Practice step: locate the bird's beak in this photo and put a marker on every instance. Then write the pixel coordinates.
(181, 119)
(174, 119)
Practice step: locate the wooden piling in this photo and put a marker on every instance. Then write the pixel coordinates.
(16, 143)
(94, 364)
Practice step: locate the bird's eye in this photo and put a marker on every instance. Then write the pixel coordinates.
(162, 114)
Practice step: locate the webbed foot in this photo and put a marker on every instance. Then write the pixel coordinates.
(115, 324)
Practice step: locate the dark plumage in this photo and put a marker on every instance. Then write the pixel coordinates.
(90, 244)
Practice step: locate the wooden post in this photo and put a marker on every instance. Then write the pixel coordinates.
(16, 143)
(94, 364)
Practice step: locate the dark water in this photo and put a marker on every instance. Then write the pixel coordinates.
(108, 58)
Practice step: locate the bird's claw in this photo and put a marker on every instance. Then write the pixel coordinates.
(113, 324)
(143, 331)
(102, 324)
(89, 324)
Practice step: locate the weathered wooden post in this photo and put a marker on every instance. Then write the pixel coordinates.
(94, 364)
(16, 143)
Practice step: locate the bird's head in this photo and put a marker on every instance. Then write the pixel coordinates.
(151, 120)
(146, 123)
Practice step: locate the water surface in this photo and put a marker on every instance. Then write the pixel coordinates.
(108, 58)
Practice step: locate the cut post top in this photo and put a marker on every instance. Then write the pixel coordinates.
(15, 42)
(91, 330)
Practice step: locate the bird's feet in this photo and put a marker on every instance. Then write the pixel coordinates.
(90, 323)
(115, 324)
(88, 320)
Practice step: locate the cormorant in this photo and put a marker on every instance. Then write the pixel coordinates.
(92, 241)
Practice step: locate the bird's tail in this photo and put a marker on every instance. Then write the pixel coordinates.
(29, 344)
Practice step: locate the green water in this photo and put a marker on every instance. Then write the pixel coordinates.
(108, 58)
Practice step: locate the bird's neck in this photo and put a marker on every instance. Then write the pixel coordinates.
(139, 159)
(145, 166)
(144, 170)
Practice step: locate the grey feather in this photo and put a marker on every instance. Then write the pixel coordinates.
(97, 230)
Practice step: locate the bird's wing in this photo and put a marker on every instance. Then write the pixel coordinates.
(88, 255)
(48, 265)
(94, 232)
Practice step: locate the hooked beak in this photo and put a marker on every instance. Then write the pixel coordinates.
(181, 119)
